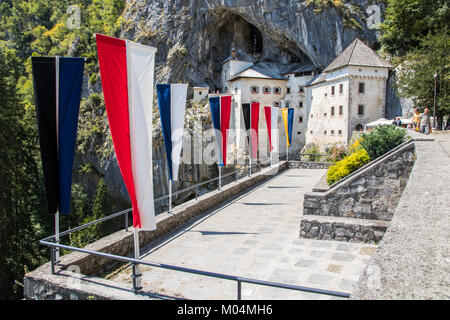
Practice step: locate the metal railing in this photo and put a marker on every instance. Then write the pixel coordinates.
(238, 279)
(55, 246)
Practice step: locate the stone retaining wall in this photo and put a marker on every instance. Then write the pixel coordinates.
(350, 229)
(308, 165)
(372, 193)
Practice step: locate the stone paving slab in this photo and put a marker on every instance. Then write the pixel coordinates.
(254, 236)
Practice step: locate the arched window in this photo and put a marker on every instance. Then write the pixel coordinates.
(359, 127)
(276, 104)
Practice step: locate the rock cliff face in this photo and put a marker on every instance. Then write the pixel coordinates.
(194, 37)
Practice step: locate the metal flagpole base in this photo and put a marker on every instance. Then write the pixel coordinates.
(56, 249)
(170, 195)
(136, 276)
(220, 178)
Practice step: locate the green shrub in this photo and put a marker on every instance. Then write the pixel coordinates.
(347, 165)
(382, 139)
(313, 152)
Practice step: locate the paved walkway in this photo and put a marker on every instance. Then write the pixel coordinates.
(413, 259)
(254, 236)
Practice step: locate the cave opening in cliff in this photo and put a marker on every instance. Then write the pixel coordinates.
(256, 39)
(251, 42)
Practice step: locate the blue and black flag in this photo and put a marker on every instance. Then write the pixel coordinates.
(57, 89)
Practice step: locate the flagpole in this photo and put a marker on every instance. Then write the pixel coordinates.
(250, 154)
(57, 235)
(170, 195)
(57, 149)
(136, 269)
(220, 177)
(287, 151)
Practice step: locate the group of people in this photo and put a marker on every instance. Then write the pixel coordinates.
(422, 122)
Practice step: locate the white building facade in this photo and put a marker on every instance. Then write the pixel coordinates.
(350, 93)
(328, 107)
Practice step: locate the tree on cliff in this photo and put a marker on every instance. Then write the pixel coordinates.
(416, 79)
(21, 200)
(37, 27)
(416, 34)
(407, 22)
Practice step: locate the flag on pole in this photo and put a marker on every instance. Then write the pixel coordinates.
(57, 88)
(246, 112)
(254, 106)
(221, 111)
(172, 107)
(288, 119)
(272, 125)
(251, 121)
(127, 70)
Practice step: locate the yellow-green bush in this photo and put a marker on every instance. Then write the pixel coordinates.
(347, 165)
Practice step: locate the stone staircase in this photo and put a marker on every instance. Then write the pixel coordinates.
(359, 207)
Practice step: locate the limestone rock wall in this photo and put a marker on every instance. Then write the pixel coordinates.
(193, 37)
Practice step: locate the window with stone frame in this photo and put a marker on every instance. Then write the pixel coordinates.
(361, 87)
(300, 119)
(277, 90)
(254, 89)
(332, 90)
(360, 110)
(276, 104)
(301, 89)
(300, 104)
(341, 88)
(266, 90)
(332, 111)
(288, 90)
(341, 110)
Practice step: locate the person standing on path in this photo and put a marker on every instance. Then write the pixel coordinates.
(425, 123)
(416, 120)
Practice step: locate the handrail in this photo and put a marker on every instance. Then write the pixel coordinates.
(199, 272)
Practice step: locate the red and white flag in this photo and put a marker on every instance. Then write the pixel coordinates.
(272, 126)
(127, 72)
